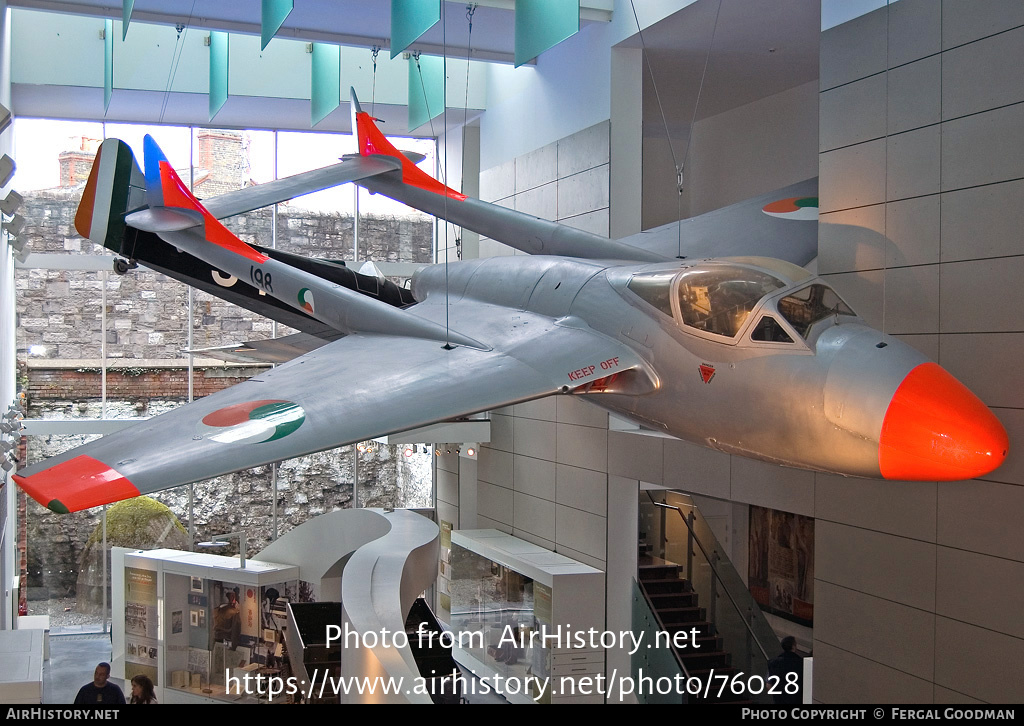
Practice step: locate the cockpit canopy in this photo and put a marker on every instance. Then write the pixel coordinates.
(718, 296)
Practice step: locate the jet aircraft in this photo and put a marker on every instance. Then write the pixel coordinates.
(711, 331)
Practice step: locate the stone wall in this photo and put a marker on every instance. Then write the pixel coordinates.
(147, 315)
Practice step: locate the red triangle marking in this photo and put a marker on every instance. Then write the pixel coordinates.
(706, 372)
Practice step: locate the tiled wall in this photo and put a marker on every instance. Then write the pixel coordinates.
(543, 475)
(918, 586)
(565, 181)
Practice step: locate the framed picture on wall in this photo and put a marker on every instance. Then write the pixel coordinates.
(197, 584)
(177, 622)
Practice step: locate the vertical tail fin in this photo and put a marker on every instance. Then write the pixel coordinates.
(372, 141)
(115, 186)
(164, 188)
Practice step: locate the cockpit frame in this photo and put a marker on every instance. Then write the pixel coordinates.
(767, 305)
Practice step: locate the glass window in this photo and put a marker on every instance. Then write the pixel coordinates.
(718, 298)
(805, 307)
(655, 288)
(768, 330)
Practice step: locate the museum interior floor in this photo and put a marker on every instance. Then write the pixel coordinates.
(73, 659)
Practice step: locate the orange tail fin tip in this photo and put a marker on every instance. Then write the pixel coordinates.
(372, 141)
(164, 188)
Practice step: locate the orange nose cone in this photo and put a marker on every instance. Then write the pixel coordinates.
(935, 429)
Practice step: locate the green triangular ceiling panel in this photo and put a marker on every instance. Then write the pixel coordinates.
(274, 13)
(542, 24)
(409, 20)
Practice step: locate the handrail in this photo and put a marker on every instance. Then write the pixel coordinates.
(714, 570)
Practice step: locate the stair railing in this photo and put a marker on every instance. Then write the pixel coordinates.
(737, 617)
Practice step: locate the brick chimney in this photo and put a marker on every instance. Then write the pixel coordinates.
(76, 163)
(222, 156)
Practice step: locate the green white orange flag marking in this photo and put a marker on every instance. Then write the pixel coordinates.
(797, 208)
(306, 300)
(253, 422)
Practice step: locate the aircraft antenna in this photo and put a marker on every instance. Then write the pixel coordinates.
(679, 165)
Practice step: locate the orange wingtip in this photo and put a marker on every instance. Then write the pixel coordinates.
(77, 484)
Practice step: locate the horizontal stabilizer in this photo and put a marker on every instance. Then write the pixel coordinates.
(272, 350)
(782, 224)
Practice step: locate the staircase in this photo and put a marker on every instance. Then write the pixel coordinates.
(676, 608)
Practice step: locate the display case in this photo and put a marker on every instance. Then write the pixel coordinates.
(192, 621)
(506, 594)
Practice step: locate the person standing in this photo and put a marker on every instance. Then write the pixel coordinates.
(787, 662)
(142, 690)
(101, 690)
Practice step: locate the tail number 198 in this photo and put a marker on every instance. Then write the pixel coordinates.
(260, 279)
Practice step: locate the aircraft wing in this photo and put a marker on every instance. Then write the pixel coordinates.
(359, 387)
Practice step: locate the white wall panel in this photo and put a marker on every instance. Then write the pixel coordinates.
(902, 508)
(895, 635)
(842, 677)
(978, 662)
(852, 558)
(534, 476)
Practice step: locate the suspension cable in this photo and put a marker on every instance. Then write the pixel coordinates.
(678, 165)
(373, 93)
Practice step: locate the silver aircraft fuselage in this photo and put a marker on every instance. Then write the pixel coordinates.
(835, 395)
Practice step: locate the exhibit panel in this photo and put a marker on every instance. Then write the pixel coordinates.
(198, 624)
(522, 613)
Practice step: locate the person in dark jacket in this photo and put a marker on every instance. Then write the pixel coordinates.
(100, 690)
(787, 662)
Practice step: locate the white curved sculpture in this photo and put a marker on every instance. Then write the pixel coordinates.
(391, 559)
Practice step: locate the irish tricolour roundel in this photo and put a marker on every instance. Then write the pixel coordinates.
(253, 422)
(799, 208)
(306, 300)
